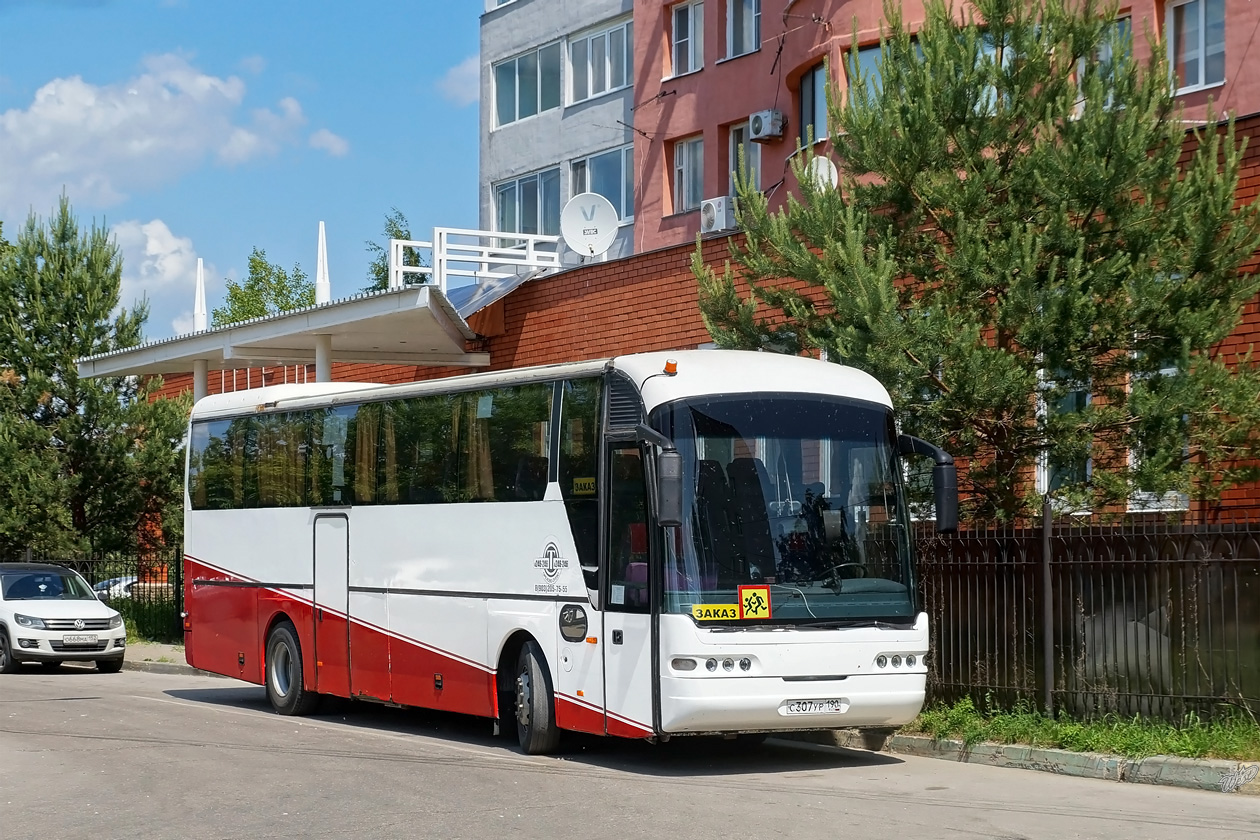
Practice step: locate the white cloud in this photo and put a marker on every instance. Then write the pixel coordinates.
(253, 64)
(462, 83)
(100, 142)
(331, 143)
(162, 267)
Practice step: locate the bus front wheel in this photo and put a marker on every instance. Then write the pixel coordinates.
(535, 703)
(285, 690)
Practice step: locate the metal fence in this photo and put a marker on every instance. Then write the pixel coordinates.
(145, 587)
(1138, 619)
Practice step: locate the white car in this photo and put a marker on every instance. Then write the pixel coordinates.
(49, 614)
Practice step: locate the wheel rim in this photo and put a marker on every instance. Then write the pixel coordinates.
(523, 696)
(281, 664)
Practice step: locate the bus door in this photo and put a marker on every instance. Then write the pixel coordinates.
(332, 601)
(627, 636)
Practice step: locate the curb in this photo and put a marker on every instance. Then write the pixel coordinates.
(1193, 773)
(166, 668)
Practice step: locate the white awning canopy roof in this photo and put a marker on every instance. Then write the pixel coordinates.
(414, 325)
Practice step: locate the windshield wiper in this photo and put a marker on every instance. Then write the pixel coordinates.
(877, 623)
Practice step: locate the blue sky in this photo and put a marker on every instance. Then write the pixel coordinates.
(203, 128)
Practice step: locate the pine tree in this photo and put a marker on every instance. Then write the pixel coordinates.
(268, 290)
(88, 462)
(1014, 249)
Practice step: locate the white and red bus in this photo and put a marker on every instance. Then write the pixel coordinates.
(647, 546)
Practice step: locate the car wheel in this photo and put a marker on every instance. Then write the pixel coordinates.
(535, 703)
(285, 689)
(51, 664)
(109, 666)
(7, 663)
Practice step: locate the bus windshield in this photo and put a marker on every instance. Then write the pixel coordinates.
(801, 495)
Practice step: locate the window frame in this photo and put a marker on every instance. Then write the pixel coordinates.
(515, 184)
(1201, 47)
(735, 8)
(695, 38)
(605, 32)
(537, 53)
(816, 74)
(686, 167)
(754, 150)
(581, 183)
(1043, 476)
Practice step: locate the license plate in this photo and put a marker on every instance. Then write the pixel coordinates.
(79, 639)
(832, 706)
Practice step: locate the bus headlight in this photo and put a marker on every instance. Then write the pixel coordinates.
(745, 664)
(910, 660)
(683, 664)
(710, 664)
(896, 660)
(728, 664)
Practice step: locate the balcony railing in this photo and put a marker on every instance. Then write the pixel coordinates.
(457, 257)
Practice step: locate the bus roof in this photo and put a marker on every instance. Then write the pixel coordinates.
(699, 372)
(702, 372)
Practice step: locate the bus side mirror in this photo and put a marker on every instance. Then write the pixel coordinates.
(944, 480)
(669, 488)
(945, 491)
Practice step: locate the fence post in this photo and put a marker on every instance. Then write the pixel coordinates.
(1047, 603)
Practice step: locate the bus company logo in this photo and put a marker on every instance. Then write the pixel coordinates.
(551, 562)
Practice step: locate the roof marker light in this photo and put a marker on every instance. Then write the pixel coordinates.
(671, 367)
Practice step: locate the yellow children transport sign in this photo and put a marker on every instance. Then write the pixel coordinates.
(754, 602)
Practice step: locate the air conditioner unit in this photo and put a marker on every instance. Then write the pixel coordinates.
(717, 214)
(765, 125)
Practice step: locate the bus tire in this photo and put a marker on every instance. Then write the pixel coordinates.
(535, 703)
(283, 673)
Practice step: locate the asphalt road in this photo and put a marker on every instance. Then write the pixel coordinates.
(144, 755)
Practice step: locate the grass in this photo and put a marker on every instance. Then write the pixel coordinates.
(1235, 736)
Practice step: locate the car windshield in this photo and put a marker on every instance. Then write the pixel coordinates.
(798, 497)
(44, 586)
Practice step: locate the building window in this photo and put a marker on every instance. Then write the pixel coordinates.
(601, 62)
(530, 204)
(1196, 43)
(688, 37)
(867, 67)
(813, 120)
(527, 84)
(688, 174)
(611, 174)
(1054, 475)
(743, 27)
(740, 144)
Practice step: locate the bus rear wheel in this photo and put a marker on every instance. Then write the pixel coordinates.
(535, 703)
(285, 690)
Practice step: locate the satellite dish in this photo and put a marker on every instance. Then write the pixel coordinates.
(823, 172)
(589, 224)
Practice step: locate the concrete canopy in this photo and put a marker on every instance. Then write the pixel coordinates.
(414, 325)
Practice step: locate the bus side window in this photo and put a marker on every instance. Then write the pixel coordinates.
(627, 532)
(579, 468)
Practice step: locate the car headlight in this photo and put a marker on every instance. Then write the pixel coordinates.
(29, 621)
(115, 622)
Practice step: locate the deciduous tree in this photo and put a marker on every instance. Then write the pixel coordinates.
(268, 290)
